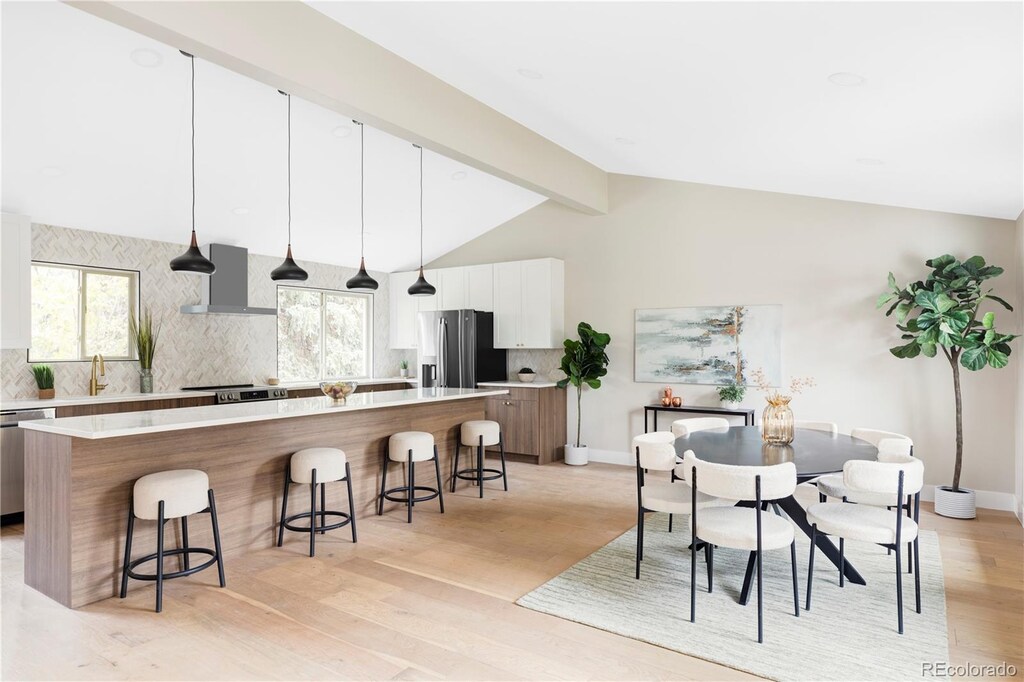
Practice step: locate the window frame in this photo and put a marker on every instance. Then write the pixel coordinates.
(324, 292)
(134, 297)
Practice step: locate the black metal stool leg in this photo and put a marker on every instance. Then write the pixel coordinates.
(284, 502)
(160, 557)
(437, 468)
(383, 482)
(323, 507)
(351, 501)
(312, 516)
(128, 548)
(480, 466)
(216, 538)
(501, 449)
(455, 465)
(410, 481)
(842, 563)
(184, 540)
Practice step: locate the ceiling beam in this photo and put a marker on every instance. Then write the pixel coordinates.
(292, 47)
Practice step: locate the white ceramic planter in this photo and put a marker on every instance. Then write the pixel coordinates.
(730, 405)
(576, 456)
(955, 505)
(527, 378)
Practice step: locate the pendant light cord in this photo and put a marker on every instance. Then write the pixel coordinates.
(289, 170)
(421, 208)
(362, 193)
(192, 61)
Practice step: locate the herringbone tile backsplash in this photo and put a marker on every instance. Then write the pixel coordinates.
(195, 350)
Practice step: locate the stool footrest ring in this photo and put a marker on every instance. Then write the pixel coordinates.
(175, 574)
(346, 519)
(392, 494)
(470, 474)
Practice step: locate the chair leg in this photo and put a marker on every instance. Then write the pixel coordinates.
(437, 468)
(127, 549)
(184, 541)
(910, 553)
(216, 537)
(709, 557)
(842, 563)
(810, 564)
(312, 516)
(899, 589)
(409, 481)
(639, 539)
(501, 449)
(383, 483)
(670, 523)
(917, 574)
(160, 557)
(760, 601)
(351, 501)
(284, 503)
(323, 507)
(480, 466)
(796, 590)
(693, 579)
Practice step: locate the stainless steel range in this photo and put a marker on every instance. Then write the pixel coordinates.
(241, 393)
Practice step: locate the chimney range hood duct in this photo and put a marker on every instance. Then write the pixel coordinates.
(226, 291)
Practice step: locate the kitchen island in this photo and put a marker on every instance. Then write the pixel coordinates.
(79, 473)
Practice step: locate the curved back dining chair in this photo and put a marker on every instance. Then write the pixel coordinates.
(885, 526)
(747, 526)
(827, 427)
(682, 428)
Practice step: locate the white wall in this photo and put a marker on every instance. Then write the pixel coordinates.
(194, 350)
(1019, 459)
(668, 244)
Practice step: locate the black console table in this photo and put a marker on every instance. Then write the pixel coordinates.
(747, 414)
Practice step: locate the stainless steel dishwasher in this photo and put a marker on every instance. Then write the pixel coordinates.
(12, 461)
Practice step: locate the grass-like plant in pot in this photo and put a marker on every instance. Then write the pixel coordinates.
(584, 363)
(144, 337)
(942, 314)
(44, 380)
(403, 368)
(731, 395)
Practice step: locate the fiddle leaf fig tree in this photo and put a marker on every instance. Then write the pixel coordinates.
(941, 314)
(584, 363)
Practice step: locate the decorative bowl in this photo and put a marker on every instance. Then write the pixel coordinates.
(337, 390)
(527, 378)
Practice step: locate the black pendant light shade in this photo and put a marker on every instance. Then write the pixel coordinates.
(362, 280)
(193, 260)
(421, 287)
(289, 270)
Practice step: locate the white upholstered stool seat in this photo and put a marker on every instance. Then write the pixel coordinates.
(183, 491)
(736, 527)
(420, 442)
(860, 522)
(674, 498)
(328, 462)
(472, 431)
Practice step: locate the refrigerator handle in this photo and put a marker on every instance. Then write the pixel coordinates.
(462, 353)
(442, 354)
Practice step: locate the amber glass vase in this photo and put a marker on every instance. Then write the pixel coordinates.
(777, 420)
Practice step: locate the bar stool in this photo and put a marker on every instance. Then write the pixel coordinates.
(410, 447)
(161, 497)
(479, 434)
(316, 467)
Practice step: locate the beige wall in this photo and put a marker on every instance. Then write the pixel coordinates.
(1019, 472)
(667, 244)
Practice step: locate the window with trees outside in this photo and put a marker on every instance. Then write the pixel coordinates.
(323, 334)
(78, 311)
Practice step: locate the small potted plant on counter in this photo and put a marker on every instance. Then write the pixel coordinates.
(403, 369)
(144, 337)
(527, 375)
(44, 381)
(731, 395)
(584, 363)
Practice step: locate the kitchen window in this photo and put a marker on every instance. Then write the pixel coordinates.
(78, 311)
(323, 334)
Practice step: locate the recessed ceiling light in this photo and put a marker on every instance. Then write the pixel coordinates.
(241, 210)
(846, 79)
(870, 162)
(342, 131)
(146, 57)
(531, 74)
(624, 140)
(51, 171)
(459, 175)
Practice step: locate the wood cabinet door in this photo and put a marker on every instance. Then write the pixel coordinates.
(521, 433)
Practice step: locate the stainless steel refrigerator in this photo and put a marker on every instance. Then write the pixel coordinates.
(456, 349)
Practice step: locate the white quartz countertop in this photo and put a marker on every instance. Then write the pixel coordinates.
(157, 421)
(37, 404)
(298, 385)
(517, 384)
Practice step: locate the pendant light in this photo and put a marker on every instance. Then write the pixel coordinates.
(193, 260)
(421, 287)
(289, 269)
(362, 281)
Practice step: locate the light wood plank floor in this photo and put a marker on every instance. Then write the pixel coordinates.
(434, 600)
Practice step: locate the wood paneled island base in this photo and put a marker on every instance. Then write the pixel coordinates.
(78, 489)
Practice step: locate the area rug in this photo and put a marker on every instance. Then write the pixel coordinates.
(849, 633)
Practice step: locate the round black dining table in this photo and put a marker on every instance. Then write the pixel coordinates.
(814, 453)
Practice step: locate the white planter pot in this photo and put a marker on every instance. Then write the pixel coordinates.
(576, 456)
(955, 505)
(730, 405)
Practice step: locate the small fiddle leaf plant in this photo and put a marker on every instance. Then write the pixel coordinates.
(584, 363)
(731, 393)
(942, 314)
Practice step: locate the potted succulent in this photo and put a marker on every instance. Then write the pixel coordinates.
(526, 375)
(403, 369)
(584, 363)
(941, 314)
(731, 395)
(144, 337)
(44, 381)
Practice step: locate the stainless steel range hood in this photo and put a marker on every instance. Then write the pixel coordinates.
(226, 291)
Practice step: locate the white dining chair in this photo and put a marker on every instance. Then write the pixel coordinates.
(889, 480)
(682, 428)
(750, 528)
(827, 427)
(655, 452)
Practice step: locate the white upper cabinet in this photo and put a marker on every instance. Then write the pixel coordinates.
(529, 304)
(469, 287)
(16, 281)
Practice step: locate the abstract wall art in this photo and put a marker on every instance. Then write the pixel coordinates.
(708, 345)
